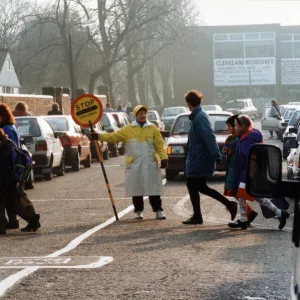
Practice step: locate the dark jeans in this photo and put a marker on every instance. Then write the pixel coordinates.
(197, 185)
(2, 212)
(155, 202)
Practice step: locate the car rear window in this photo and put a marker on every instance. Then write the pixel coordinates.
(58, 124)
(28, 127)
(151, 116)
(172, 112)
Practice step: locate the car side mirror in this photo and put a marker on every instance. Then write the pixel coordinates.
(291, 144)
(165, 134)
(28, 140)
(264, 171)
(293, 130)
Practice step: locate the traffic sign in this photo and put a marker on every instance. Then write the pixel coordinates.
(86, 110)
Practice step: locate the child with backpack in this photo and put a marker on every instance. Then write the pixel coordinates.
(14, 164)
(228, 155)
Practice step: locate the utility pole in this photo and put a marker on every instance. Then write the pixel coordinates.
(71, 67)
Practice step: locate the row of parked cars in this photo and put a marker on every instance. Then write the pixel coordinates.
(56, 142)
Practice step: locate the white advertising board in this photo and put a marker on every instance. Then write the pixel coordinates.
(290, 71)
(245, 71)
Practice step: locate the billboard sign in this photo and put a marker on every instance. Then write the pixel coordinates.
(290, 71)
(245, 71)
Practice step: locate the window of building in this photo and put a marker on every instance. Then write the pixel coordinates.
(260, 49)
(8, 64)
(8, 90)
(220, 37)
(229, 50)
(251, 36)
(267, 36)
(297, 49)
(236, 36)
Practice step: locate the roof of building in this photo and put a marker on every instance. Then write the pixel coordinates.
(3, 54)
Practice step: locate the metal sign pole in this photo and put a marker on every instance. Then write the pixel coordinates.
(100, 158)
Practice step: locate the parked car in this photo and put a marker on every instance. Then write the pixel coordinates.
(242, 107)
(154, 117)
(274, 122)
(76, 144)
(264, 179)
(40, 139)
(170, 114)
(212, 107)
(110, 125)
(121, 118)
(102, 145)
(178, 137)
(290, 133)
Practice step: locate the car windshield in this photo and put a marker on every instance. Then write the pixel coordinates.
(289, 113)
(28, 127)
(294, 118)
(151, 116)
(182, 124)
(58, 124)
(173, 111)
(107, 122)
(235, 104)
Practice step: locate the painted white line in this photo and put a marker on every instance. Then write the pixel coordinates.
(10, 281)
(180, 209)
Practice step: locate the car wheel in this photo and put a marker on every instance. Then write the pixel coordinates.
(170, 175)
(76, 163)
(285, 153)
(88, 162)
(60, 171)
(114, 151)
(106, 154)
(49, 176)
(29, 184)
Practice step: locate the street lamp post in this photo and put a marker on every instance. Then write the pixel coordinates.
(72, 75)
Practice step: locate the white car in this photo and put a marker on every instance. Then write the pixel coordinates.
(242, 107)
(46, 148)
(170, 114)
(212, 107)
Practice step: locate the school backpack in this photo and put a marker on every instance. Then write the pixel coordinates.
(22, 163)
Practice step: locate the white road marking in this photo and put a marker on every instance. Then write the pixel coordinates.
(10, 281)
(53, 263)
(179, 209)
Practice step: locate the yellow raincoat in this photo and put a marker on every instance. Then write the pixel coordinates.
(144, 151)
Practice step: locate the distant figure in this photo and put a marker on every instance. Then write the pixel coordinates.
(21, 110)
(55, 110)
(108, 108)
(120, 108)
(275, 105)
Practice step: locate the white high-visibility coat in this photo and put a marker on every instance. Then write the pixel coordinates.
(144, 151)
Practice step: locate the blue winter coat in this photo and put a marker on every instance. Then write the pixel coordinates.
(242, 153)
(11, 132)
(202, 148)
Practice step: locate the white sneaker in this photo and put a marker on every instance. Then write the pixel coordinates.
(139, 215)
(160, 215)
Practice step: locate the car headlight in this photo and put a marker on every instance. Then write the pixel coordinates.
(175, 150)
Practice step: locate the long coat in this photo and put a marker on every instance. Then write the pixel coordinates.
(202, 148)
(144, 151)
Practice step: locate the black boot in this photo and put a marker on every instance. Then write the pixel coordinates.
(193, 220)
(252, 217)
(13, 224)
(33, 225)
(238, 224)
(233, 208)
(282, 220)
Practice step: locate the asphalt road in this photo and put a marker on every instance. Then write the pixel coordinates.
(152, 259)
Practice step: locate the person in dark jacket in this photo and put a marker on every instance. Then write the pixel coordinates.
(55, 110)
(202, 154)
(248, 136)
(11, 194)
(7, 123)
(276, 107)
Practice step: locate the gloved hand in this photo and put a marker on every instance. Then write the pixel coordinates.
(163, 163)
(94, 136)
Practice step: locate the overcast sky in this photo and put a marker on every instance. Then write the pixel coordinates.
(231, 12)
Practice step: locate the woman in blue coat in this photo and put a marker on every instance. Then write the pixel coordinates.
(202, 154)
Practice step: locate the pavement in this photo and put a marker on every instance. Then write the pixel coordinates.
(150, 259)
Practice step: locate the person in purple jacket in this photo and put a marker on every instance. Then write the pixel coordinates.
(248, 136)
